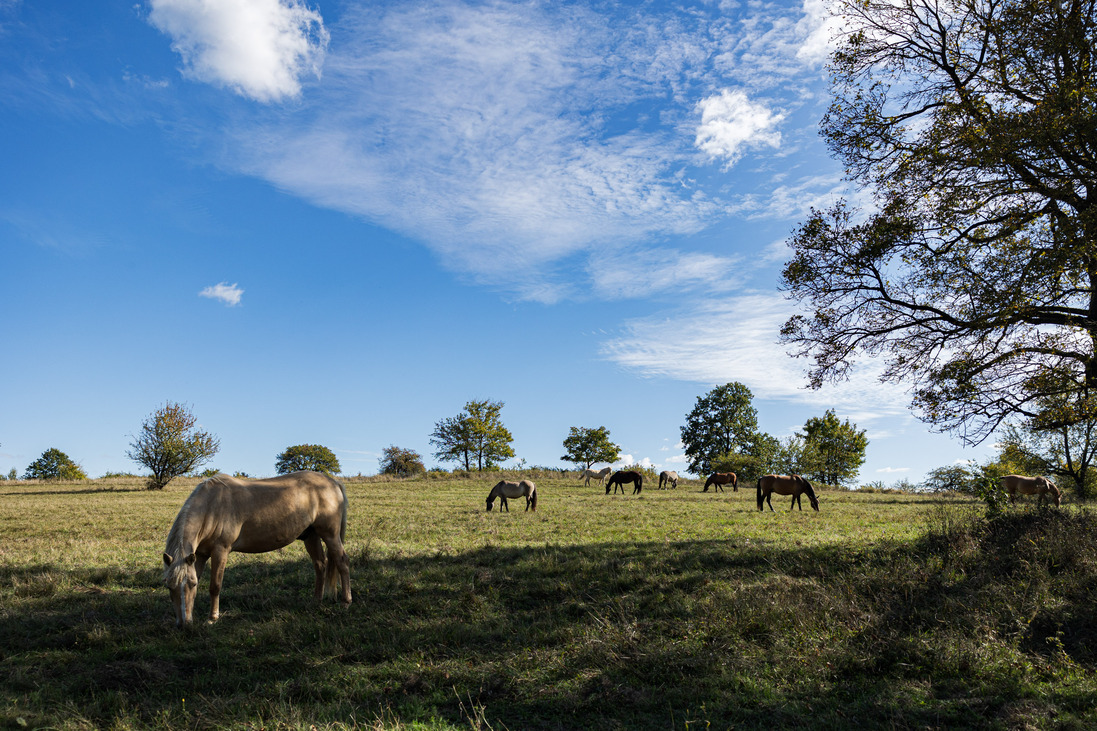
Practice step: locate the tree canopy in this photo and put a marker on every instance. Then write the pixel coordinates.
(170, 445)
(401, 462)
(315, 457)
(54, 465)
(837, 448)
(475, 435)
(722, 421)
(974, 271)
(585, 446)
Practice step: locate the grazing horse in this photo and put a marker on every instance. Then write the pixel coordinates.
(785, 485)
(716, 479)
(226, 514)
(1039, 486)
(601, 475)
(621, 477)
(668, 478)
(505, 489)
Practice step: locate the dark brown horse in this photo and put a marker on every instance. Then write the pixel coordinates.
(785, 485)
(620, 477)
(716, 479)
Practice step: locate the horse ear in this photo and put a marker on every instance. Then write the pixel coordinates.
(167, 560)
(190, 560)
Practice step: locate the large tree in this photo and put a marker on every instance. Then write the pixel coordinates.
(586, 446)
(838, 448)
(974, 271)
(315, 457)
(170, 444)
(722, 421)
(476, 434)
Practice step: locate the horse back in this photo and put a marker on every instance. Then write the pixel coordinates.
(255, 516)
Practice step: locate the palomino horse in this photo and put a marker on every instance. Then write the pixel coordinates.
(505, 489)
(716, 479)
(1039, 486)
(226, 514)
(785, 485)
(621, 477)
(600, 475)
(668, 478)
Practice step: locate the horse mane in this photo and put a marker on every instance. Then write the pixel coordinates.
(176, 548)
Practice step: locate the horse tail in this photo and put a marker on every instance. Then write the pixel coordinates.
(533, 499)
(331, 572)
(759, 493)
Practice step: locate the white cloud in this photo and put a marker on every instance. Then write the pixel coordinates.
(259, 48)
(736, 339)
(893, 470)
(819, 28)
(732, 123)
(625, 274)
(230, 294)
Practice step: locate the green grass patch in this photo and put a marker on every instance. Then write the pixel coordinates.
(674, 609)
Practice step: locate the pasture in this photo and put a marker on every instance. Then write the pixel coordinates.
(672, 609)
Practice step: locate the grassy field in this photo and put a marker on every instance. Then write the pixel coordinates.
(675, 609)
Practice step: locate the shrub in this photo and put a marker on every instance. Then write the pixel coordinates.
(401, 462)
(54, 465)
(315, 457)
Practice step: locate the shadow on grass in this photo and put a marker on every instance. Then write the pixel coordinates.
(934, 634)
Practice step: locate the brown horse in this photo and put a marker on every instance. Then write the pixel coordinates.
(505, 489)
(226, 514)
(1039, 486)
(669, 479)
(785, 485)
(620, 477)
(716, 479)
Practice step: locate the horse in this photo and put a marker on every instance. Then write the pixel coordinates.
(620, 477)
(601, 474)
(668, 478)
(226, 514)
(1039, 486)
(785, 485)
(505, 489)
(716, 479)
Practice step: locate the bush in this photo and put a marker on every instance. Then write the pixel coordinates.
(315, 457)
(401, 462)
(54, 465)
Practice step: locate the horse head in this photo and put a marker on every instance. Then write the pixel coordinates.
(1054, 490)
(181, 578)
(810, 493)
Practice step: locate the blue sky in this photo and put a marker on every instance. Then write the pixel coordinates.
(338, 222)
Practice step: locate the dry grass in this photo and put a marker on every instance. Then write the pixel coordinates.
(673, 609)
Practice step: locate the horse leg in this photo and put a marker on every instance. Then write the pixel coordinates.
(769, 501)
(718, 488)
(315, 547)
(795, 500)
(503, 504)
(218, 559)
(338, 567)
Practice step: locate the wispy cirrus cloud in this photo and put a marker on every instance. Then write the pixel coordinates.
(258, 48)
(736, 339)
(517, 140)
(228, 294)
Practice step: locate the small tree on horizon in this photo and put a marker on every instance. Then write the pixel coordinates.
(839, 448)
(586, 446)
(170, 445)
(476, 433)
(315, 457)
(401, 462)
(54, 465)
